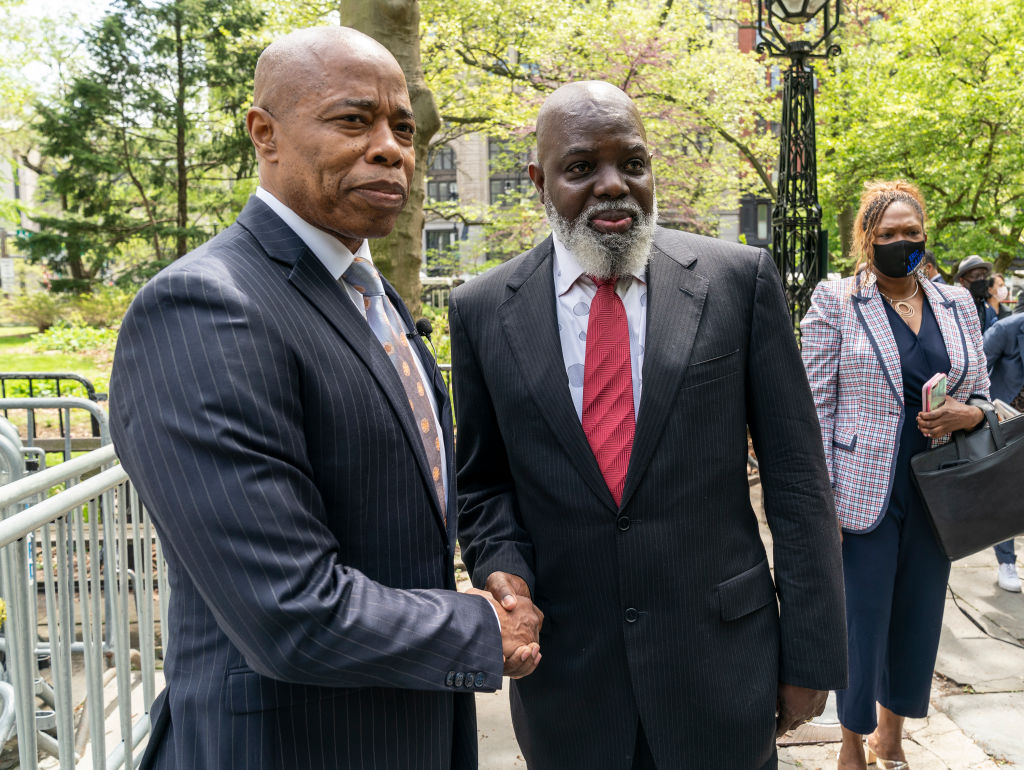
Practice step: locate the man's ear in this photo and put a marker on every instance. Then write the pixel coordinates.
(262, 132)
(537, 176)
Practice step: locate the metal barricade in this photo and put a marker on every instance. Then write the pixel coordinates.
(66, 444)
(45, 381)
(82, 539)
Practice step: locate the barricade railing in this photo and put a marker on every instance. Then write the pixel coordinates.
(65, 443)
(90, 545)
(47, 381)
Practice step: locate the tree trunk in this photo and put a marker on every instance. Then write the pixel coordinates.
(395, 24)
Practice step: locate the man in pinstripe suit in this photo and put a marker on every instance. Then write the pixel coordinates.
(616, 493)
(268, 414)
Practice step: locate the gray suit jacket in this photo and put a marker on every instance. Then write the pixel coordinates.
(661, 609)
(269, 435)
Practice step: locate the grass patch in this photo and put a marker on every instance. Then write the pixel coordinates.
(19, 354)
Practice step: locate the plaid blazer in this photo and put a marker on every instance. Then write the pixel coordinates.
(853, 366)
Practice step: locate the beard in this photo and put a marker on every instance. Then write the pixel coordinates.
(605, 255)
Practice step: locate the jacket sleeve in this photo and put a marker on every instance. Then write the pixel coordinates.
(822, 339)
(978, 366)
(798, 500)
(206, 412)
(995, 342)
(490, 532)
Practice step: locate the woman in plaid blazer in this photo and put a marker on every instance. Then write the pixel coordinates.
(869, 344)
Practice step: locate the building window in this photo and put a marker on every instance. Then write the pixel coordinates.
(756, 220)
(441, 175)
(442, 190)
(442, 159)
(442, 250)
(763, 221)
(440, 240)
(509, 179)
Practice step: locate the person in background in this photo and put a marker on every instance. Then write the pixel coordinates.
(930, 266)
(999, 296)
(870, 342)
(975, 275)
(1004, 349)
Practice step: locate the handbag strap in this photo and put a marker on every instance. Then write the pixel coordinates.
(992, 420)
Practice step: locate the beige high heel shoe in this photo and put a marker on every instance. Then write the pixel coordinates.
(884, 764)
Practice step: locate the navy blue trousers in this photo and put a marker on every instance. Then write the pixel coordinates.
(895, 579)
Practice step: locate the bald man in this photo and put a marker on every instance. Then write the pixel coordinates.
(293, 444)
(605, 384)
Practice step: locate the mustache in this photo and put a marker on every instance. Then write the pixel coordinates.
(629, 206)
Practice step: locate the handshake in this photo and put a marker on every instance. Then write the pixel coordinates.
(520, 621)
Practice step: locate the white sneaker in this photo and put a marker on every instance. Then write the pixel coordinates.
(1008, 579)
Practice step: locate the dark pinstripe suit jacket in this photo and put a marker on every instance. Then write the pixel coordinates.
(662, 609)
(269, 435)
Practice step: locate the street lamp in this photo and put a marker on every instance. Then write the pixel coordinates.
(798, 244)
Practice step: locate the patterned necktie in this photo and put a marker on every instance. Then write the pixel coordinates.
(608, 419)
(386, 324)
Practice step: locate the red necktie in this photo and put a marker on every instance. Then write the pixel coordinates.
(608, 419)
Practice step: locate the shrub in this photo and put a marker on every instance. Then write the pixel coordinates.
(74, 338)
(104, 307)
(40, 309)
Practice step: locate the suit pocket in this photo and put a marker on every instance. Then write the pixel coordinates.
(246, 692)
(711, 369)
(746, 592)
(844, 439)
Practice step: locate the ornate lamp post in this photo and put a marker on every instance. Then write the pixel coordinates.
(797, 241)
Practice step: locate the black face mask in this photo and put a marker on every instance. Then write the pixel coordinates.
(898, 259)
(979, 288)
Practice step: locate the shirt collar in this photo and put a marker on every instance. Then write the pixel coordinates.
(567, 269)
(332, 253)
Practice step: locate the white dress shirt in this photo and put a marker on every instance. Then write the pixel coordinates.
(336, 257)
(574, 291)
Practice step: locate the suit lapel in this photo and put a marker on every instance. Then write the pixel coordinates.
(531, 328)
(676, 296)
(312, 280)
(867, 303)
(945, 312)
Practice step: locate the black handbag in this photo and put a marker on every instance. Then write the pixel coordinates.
(973, 486)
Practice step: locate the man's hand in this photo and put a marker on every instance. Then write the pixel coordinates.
(505, 587)
(797, 705)
(520, 624)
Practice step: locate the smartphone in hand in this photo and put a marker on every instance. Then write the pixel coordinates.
(933, 394)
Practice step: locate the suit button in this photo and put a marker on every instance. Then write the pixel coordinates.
(469, 679)
(632, 615)
(480, 679)
(623, 522)
(459, 679)
(450, 679)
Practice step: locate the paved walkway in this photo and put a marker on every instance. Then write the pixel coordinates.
(976, 719)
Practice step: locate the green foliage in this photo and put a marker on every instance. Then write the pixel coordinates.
(74, 338)
(40, 309)
(932, 94)
(104, 306)
(143, 148)
(440, 338)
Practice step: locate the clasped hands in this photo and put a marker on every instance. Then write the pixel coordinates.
(520, 621)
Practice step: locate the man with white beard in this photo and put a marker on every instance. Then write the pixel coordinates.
(605, 382)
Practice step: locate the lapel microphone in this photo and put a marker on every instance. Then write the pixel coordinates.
(423, 330)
